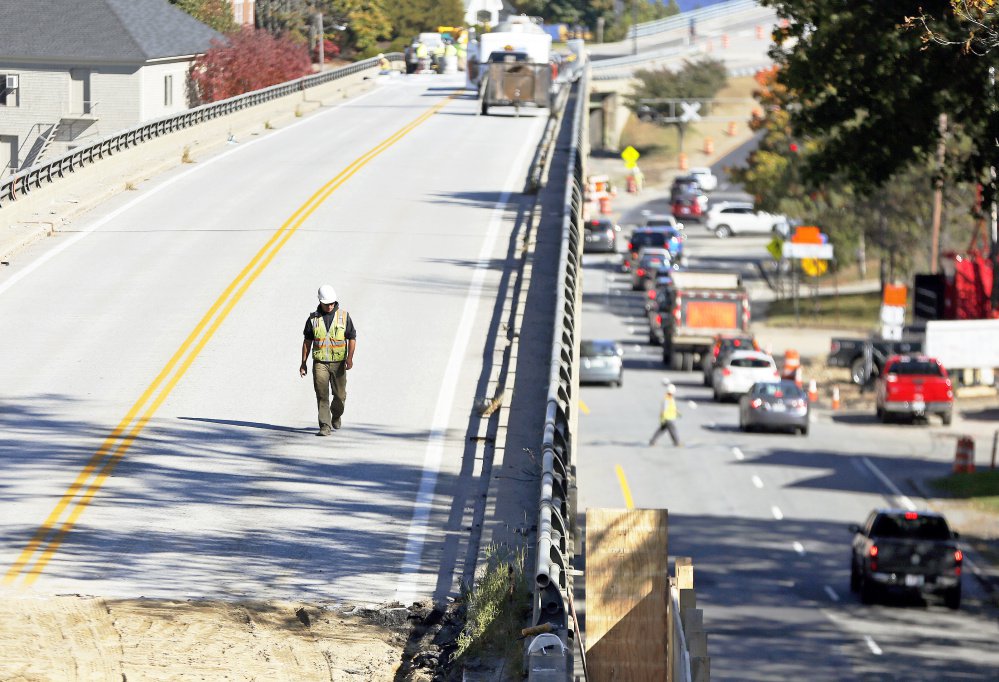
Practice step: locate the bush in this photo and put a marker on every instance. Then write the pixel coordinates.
(248, 60)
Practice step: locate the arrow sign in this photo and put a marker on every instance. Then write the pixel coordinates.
(690, 110)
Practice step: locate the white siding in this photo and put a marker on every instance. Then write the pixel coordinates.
(153, 77)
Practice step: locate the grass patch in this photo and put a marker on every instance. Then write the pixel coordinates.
(497, 609)
(847, 311)
(981, 488)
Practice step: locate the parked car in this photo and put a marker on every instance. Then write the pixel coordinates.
(914, 386)
(601, 362)
(668, 238)
(651, 262)
(739, 370)
(850, 353)
(912, 551)
(690, 206)
(705, 178)
(774, 405)
(683, 184)
(732, 218)
(600, 236)
(724, 344)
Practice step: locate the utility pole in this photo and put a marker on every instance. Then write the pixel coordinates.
(321, 37)
(634, 26)
(938, 193)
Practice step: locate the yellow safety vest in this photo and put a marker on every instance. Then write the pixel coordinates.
(669, 409)
(421, 50)
(329, 345)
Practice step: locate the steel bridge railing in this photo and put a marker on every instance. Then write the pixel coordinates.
(34, 177)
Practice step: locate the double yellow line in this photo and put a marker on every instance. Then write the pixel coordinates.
(46, 540)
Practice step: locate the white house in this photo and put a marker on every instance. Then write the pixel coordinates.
(243, 12)
(72, 71)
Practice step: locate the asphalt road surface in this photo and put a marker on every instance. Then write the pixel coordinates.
(765, 516)
(158, 439)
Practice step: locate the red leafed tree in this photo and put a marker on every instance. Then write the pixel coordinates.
(249, 59)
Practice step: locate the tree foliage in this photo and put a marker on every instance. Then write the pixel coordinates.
(216, 13)
(249, 59)
(869, 88)
(617, 16)
(693, 80)
(416, 16)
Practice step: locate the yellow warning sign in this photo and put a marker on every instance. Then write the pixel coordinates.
(630, 156)
(814, 267)
(776, 247)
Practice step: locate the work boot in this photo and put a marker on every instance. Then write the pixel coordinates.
(324, 430)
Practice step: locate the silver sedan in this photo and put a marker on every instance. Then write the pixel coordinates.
(774, 405)
(601, 362)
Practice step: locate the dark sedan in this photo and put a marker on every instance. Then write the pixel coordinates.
(774, 405)
(600, 236)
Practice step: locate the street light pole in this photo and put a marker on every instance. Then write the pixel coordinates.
(634, 26)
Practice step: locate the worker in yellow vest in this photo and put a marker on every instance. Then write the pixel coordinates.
(668, 415)
(330, 337)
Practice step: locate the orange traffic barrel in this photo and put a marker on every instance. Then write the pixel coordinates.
(759, 32)
(731, 128)
(724, 40)
(709, 145)
(605, 205)
(964, 456)
(683, 161)
(792, 363)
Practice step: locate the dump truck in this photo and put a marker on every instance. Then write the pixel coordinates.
(704, 304)
(511, 66)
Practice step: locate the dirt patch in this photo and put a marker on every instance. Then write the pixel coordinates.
(86, 638)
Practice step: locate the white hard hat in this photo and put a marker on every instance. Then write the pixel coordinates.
(670, 388)
(327, 294)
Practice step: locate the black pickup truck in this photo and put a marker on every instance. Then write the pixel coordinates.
(849, 353)
(904, 550)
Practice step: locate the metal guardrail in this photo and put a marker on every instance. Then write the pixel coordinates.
(34, 177)
(555, 544)
(682, 21)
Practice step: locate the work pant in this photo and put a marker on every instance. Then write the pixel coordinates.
(667, 425)
(326, 376)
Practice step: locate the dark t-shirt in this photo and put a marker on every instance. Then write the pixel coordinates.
(349, 334)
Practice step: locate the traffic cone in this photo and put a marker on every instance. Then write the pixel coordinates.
(813, 391)
(835, 398)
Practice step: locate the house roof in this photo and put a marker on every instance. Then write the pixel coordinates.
(119, 31)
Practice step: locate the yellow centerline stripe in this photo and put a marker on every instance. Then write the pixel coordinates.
(628, 502)
(226, 301)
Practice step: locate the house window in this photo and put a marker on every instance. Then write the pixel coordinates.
(8, 96)
(168, 90)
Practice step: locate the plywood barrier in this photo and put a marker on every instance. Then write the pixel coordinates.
(627, 590)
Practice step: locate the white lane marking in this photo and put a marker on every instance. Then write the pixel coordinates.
(63, 245)
(757, 481)
(799, 548)
(778, 514)
(832, 593)
(412, 559)
(691, 404)
(906, 502)
(872, 645)
(738, 453)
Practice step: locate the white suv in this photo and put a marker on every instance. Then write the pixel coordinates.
(728, 218)
(705, 178)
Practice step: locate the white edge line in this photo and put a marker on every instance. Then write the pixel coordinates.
(799, 548)
(738, 453)
(906, 502)
(778, 514)
(757, 481)
(225, 154)
(412, 559)
(872, 645)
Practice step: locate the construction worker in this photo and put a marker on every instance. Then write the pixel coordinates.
(331, 338)
(384, 65)
(422, 57)
(668, 414)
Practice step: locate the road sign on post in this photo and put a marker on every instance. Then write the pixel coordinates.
(690, 111)
(893, 311)
(630, 156)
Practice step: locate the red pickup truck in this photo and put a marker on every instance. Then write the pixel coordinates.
(914, 386)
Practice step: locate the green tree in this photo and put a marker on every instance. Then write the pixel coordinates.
(216, 13)
(367, 22)
(415, 16)
(693, 80)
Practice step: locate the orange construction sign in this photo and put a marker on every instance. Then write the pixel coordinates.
(806, 234)
(895, 294)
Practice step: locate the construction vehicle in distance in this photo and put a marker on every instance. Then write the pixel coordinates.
(704, 304)
(512, 65)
